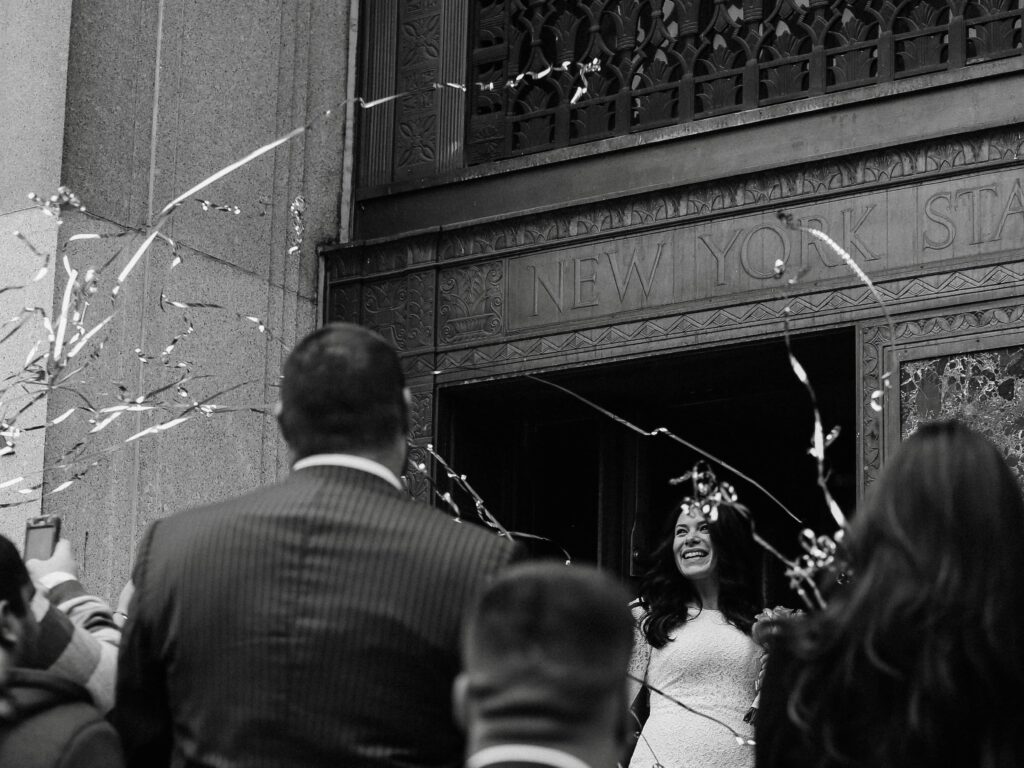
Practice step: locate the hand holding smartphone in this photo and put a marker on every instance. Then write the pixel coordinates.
(41, 536)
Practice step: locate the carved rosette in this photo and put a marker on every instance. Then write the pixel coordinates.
(471, 302)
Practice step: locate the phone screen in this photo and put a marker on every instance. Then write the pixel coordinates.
(40, 541)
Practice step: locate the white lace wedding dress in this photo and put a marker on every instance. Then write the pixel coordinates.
(711, 667)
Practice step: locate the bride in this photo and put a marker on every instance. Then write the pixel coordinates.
(693, 619)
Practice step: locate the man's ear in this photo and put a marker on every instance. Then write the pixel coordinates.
(460, 701)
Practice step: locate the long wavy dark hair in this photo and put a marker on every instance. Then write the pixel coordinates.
(666, 595)
(920, 660)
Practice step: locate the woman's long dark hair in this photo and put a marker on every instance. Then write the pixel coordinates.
(920, 660)
(666, 594)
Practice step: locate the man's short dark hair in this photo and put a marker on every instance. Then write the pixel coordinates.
(13, 577)
(549, 643)
(342, 392)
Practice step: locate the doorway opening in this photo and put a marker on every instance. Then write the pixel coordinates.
(549, 465)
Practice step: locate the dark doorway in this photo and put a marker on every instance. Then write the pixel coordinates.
(549, 465)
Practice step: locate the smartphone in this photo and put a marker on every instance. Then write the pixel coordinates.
(41, 537)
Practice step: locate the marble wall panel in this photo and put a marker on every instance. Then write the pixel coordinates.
(984, 389)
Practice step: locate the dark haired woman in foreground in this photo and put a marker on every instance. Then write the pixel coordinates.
(920, 660)
(693, 618)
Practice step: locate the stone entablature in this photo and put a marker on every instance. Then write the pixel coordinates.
(936, 225)
(921, 208)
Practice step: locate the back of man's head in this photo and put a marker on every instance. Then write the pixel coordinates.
(342, 392)
(545, 654)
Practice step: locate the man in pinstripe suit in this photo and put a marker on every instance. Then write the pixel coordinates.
(314, 622)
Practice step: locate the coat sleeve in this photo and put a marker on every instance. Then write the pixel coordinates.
(142, 715)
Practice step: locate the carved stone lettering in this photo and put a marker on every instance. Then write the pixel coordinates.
(770, 245)
(719, 253)
(622, 281)
(883, 231)
(852, 242)
(975, 202)
(585, 278)
(1014, 207)
(937, 213)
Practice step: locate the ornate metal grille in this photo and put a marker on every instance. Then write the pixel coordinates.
(673, 61)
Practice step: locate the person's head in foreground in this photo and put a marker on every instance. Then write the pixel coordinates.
(545, 654)
(920, 660)
(343, 391)
(18, 626)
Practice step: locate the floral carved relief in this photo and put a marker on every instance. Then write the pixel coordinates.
(471, 302)
(421, 414)
(401, 309)
(419, 50)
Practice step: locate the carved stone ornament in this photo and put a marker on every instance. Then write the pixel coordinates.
(419, 50)
(417, 482)
(401, 309)
(876, 361)
(471, 302)
(421, 414)
(344, 303)
(665, 62)
(784, 187)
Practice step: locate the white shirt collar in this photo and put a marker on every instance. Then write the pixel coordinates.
(524, 752)
(361, 463)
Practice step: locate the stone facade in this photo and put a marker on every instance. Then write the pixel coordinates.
(157, 97)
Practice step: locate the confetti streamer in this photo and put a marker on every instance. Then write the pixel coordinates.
(848, 260)
(741, 740)
(481, 509)
(297, 211)
(67, 336)
(206, 205)
(817, 449)
(662, 431)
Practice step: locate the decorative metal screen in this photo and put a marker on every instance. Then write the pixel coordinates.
(672, 61)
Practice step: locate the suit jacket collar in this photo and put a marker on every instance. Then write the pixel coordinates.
(360, 463)
(510, 755)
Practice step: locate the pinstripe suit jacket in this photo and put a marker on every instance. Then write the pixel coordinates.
(314, 622)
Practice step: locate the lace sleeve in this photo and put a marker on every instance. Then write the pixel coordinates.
(641, 656)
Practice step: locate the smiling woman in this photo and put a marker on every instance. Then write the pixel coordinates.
(693, 618)
(695, 554)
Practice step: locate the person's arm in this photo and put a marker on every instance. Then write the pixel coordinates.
(142, 716)
(641, 655)
(78, 639)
